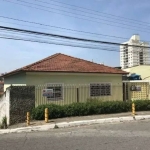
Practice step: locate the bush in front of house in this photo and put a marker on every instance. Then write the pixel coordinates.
(88, 108)
(55, 111)
(142, 105)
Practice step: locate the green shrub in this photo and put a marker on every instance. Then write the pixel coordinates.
(142, 105)
(55, 111)
(3, 125)
(89, 108)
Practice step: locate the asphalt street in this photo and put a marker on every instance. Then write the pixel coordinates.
(119, 136)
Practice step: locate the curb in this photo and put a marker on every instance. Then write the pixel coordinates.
(74, 123)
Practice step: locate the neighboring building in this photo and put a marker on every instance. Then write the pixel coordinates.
(142, 70)
(134, 56)
(136, 90)
(61, 70)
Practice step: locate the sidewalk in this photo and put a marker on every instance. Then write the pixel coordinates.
(76, 121)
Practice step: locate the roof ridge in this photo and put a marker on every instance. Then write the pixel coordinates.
(111, 67)
(91, 62)
(49, 57)
(87, 60)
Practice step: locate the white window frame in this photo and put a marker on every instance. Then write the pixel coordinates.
(101, 83)
(53, 85)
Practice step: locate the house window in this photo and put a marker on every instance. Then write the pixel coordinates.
(100, 89)
(57, 93)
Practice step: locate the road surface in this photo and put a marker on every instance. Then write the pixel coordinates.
(120, 136)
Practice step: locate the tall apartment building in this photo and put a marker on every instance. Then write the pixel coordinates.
(134, 56)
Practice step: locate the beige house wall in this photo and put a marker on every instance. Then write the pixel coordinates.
(72, 81)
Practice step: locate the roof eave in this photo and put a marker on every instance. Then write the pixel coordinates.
(19, 71)
(123, 73)
(12, 73)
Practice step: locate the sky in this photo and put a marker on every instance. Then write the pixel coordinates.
(16, 54)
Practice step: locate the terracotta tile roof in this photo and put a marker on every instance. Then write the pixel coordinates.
(64, 63)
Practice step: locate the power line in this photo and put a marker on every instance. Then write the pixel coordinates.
(56, 40)
(46, 25)
(22, 24)
(81, 9)
(7, 32)
(76, 13)
(53, 39)
(74, 16)
(67, 37)
(62, 28)
(134, 20)
(71, 30)
(63, 44)
(78, 43)
(19, 39)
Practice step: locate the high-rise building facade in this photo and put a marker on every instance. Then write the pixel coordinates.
(133, 56)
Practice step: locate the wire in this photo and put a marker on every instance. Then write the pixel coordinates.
(22, 33)
(60, 41)
(76, 13)
(67, 37)
(22, 24)
(39, 36)
(81, 9)
(12, 38)
(64, 44)
(55, 29)
(73, 16)
(41, 24)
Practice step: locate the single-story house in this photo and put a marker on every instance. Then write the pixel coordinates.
(60, 70)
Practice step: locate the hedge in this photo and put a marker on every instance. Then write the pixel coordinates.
(88, 108)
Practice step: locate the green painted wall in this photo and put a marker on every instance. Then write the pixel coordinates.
(16, 79)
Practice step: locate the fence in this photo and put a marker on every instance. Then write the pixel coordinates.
(67, 94)
(18, 100)
(135, 90)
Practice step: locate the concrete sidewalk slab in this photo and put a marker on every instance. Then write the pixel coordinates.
(78, 118)
(142, 117)
(74, 123)
(122, 119)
